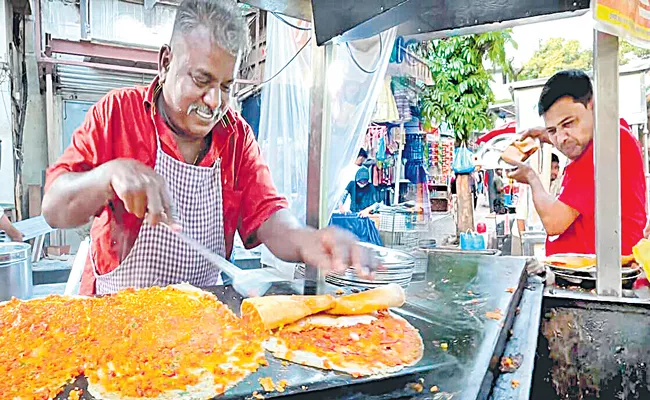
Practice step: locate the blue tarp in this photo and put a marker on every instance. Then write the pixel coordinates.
(363, 228)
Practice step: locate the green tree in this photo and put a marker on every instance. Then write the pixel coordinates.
(461, 93)
(556, 54)
(628, 52)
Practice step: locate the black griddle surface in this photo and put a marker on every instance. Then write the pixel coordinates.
(448, 307)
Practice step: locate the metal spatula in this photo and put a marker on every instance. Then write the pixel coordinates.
(249, 283)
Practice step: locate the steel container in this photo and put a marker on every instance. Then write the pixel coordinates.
(15, 271)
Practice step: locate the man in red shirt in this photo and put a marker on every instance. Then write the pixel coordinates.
(566, 103)
(173, 152)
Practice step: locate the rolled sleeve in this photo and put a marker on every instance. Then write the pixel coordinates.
(260, 198)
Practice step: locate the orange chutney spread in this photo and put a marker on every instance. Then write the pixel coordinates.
(386, 341)
(138, 343)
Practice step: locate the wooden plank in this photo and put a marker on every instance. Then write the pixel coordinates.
(35, 200)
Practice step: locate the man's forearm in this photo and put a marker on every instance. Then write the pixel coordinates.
(7, 226)
(544, 205)
(75, 197)
(282, 234)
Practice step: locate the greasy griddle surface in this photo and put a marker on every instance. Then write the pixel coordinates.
(594, 351)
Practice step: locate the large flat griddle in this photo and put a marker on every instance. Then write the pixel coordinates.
(444, 313)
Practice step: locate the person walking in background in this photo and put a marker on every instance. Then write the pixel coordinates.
(498, 186)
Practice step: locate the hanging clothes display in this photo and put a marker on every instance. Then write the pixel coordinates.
(382, 148)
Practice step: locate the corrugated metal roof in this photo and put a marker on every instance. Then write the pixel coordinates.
(77, 79)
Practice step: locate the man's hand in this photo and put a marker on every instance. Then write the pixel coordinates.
(365, 213)
(15, 235)
(523, 174)
(336, 249)
(329, 249)
(141, 189)
(536, 133)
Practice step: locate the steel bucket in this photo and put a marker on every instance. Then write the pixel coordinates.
(15, 271)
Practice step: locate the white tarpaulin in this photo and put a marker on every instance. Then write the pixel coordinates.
(284, 115)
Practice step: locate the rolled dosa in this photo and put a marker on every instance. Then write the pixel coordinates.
(520, 151)
(276, 311)
(380, 298)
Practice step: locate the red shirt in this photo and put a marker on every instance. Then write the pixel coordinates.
(123, 125)
(578, 192)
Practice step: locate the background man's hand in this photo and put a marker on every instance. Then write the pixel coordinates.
(336, 249)
(536, 133)
(15, 235)
(523, 174)
(142, 190)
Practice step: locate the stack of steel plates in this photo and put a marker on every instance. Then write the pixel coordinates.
(396, 267)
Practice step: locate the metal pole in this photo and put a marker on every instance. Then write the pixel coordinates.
(318, 145)
(607, 165)
(84, 17)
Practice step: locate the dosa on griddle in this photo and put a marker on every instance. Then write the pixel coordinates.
(276, 311)
(381, 298)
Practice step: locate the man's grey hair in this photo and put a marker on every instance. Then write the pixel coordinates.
(222, 17)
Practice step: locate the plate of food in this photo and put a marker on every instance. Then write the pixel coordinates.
(585, 262)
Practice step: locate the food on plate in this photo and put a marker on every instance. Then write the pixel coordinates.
(275, 311)
(571, 261)
(381, 298)
(520, 151)
(176, 342)
(581, 261)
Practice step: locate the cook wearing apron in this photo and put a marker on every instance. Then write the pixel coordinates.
(174, 152)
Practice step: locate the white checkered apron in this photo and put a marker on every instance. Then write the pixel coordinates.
(158, 256)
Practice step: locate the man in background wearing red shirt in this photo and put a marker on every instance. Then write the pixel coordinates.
(566, 103)
(173, 152)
